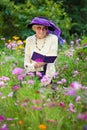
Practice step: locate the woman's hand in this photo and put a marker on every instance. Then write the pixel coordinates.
(39, 64)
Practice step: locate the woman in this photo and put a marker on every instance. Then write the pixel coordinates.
(42, 42)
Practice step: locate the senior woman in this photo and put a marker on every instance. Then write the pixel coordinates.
(44, 42)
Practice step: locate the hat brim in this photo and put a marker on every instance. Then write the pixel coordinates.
(49, 27)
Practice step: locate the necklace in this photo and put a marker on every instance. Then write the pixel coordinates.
(42, 45)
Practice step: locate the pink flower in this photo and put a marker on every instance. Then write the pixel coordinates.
(39, 74)
(2, 118)
(24, 104)
(4, 127)
(17, 71)
(59, 82)
(45, 79)
(71, 92)
(31, 82)
(39, 108)
(31, 74)
(4, 78)
(71, 107)
(78, 98)
(63, 80)
(85, 116)
(80, 116)
(2, 83)
(9, 119)
(75, 73)
(0, 94)
(37, 101)
(52, 104)
(61, 104)
(15, 87)
(10, 94)
(75, 85)
(20, 77)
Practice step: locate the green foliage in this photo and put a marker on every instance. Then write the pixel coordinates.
(77, 10)
(15, 17)
(84, 40)
(82, 52)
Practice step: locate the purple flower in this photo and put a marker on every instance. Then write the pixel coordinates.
(63, 80)
(71, 107)
(39, 74)
(15, 87)
(9, 119)
(2, 83)
(45, 79)
(17, 71)
(20, 77)
(2, 118)
(75, 73)
(4, 127)
(39, 108)
(61, 104)
(69, 54)
(75, 85)
(31, 74)
(10, 94)
(59, 82)
(85, 127)
(24, 104)
(4, 78)
(80, 116)
(0, 93)
(31, 82)
(71, 92)
(78, 98)
(85, 116)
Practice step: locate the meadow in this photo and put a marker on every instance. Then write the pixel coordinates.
(25, 105)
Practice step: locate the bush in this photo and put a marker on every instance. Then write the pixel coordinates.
(15, 17)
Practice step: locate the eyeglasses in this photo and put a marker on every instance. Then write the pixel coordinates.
(41, 28)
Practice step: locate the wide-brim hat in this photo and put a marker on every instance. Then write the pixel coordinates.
(40, 21)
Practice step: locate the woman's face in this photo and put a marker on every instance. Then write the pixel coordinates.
(41, 31)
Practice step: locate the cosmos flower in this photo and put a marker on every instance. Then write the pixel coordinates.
(78, 98)
(76, 85)
(10, 94)
(30, 82)
(42, 127)
(38, 74)
(71, 107)
(15, 87)
(2, 83)
(20, 77)
(4, 78)
(2, 118)
(17, 71)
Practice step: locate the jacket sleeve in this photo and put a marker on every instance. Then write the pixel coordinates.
(52, 52)
(53, 46)
(29, 67)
